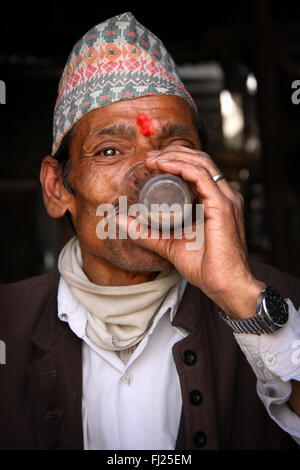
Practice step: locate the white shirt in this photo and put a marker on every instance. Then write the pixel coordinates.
(132, 406)
(275, 359)
(119, 408)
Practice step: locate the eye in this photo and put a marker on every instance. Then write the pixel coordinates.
(109, 152)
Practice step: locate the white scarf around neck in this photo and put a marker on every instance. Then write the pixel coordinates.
(118, 316)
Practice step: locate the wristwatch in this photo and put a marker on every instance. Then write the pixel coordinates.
(271, 314)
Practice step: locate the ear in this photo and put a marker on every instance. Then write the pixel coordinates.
(57, 199)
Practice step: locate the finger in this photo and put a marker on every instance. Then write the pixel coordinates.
(197, 157)
(239, 218)
(163, 161)
(207, 188)
(196, 174)
(177, 152)
(193, 156)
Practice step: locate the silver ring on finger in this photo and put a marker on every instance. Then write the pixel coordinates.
(218, 177)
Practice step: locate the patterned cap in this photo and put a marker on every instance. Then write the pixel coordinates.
(116, 60)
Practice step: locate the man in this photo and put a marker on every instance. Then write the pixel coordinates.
(131, 346)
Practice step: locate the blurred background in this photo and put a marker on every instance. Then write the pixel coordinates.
(239, 60)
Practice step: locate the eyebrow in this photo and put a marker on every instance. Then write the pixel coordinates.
(170, 130)
(121, 130)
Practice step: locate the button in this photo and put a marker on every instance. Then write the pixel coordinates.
(195, 397)
(259, 363)
(200, 439)
(127, 379)
(189, 357)
(270, 359)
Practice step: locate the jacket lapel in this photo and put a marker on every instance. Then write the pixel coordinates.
(55, 382)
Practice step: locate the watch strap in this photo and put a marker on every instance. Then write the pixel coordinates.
(261, 322)
(253, 325)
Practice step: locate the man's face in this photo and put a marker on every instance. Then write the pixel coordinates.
(106, 143)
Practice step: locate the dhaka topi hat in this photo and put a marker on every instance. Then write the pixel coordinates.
(116, 60)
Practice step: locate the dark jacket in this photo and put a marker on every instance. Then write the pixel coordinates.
(41, 382)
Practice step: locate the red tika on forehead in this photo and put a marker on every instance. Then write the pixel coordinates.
(145, 125)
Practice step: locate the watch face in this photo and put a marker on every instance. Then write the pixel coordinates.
(275, 306)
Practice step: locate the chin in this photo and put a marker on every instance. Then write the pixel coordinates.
(131, 257)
